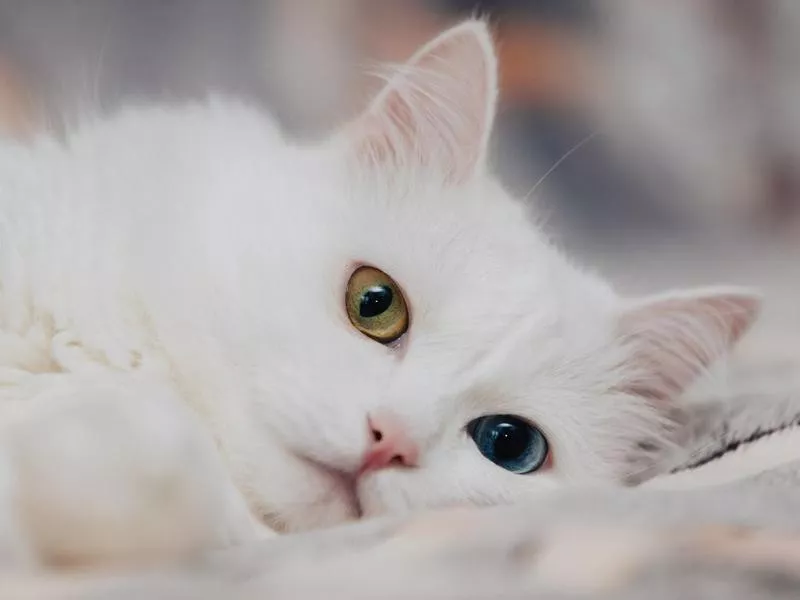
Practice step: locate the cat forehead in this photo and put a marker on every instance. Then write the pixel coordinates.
(471, 246)
(427, 227)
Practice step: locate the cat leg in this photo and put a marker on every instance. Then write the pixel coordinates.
(119, 470)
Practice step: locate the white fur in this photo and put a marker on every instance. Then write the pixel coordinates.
(191, 252)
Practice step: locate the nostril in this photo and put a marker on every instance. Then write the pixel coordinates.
(389, 444)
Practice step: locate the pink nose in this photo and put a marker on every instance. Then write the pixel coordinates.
(391, 444)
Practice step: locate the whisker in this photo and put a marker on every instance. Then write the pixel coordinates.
(558, 163)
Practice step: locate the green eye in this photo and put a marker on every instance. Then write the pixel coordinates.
(376, 306)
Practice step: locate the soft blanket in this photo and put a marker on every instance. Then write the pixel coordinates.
(724, 523)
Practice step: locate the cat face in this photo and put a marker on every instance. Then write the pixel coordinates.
(418, 343)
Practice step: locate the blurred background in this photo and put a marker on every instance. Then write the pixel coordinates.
(659, 141)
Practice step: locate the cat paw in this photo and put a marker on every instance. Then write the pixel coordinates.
(115, 473)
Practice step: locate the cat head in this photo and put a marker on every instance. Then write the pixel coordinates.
(418, 342)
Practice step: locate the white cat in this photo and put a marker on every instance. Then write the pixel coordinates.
(208, 331)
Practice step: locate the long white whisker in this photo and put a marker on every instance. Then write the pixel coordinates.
(558, 163)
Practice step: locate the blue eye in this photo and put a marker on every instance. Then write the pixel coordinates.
(509, 442)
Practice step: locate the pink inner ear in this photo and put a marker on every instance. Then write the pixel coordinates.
(674, 340)
(390, 136)
(437, 111)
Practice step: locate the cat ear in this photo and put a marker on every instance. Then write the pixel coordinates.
(437, 110)
(674, 338)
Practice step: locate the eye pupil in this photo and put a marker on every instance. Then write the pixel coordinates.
(375, 301)
(510, 442)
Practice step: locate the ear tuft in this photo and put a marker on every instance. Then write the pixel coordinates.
(437, 110)
(674, 338)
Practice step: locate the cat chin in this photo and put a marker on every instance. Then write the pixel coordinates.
(379, 494)
(338, 508)
(313, 497)
(340, 498)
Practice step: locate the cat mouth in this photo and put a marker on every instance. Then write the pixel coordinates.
(342, 491)
(356, 505)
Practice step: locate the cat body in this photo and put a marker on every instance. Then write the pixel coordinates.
(191, 325)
